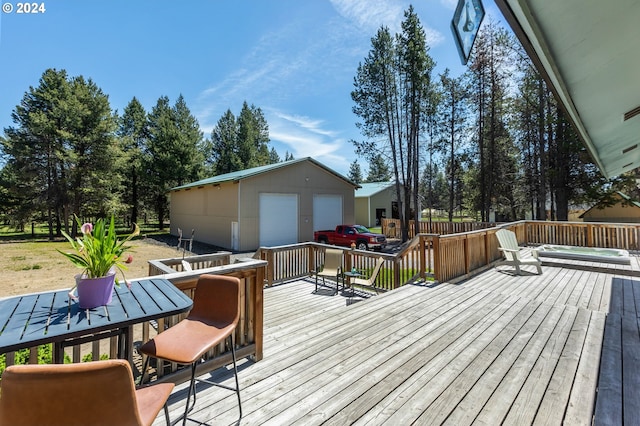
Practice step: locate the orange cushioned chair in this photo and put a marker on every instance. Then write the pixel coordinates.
(211, 321)
(84, 394)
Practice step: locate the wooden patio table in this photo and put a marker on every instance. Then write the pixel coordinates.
(53, 317)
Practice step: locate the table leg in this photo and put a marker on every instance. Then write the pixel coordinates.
(125, 344)
(58, 353)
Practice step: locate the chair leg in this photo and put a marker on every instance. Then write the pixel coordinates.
(145, 366)
(235, 370)
(192, 390)
(166, 414)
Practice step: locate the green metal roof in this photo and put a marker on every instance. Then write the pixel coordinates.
(628, 199)
(370, 189)
(244, 174)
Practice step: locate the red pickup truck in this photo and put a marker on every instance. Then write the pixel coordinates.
(344, 235)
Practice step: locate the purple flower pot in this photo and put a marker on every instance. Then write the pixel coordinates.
(94, 292)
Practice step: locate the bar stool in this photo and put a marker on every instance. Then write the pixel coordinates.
(212, 320)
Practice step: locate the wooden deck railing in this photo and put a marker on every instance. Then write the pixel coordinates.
(291, 262)
(391, 227)
(607, 235)
(179, 264)
(448, 256)
(295, 261)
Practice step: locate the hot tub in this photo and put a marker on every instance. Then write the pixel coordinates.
(588, 254)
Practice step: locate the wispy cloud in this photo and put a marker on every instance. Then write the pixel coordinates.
(277, 75)
(275, 70)
(307, 137)
(371, 15)
(306, 123)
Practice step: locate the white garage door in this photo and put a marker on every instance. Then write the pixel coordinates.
(327, 211)
(278, 219)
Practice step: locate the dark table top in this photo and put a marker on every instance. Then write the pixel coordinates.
(33, 319)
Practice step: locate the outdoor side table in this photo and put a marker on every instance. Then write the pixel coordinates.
(349, 275)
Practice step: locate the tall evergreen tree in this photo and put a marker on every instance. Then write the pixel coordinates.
(90, 172)
(34, 145)
(173, 152)
(392, 91)
(378, 169)
(355, 173)
(223, 154)
(253, 137)
(452, 115)
(273, 156)
(62, 150)
(490, 73)
(555, 167)
(240, 143)
(189, 145)
(134, 134)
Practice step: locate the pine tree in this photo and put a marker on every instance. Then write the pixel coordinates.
(174, 155)
(253, 137)
(61, 152)
(93, 183)
(495, 152)
(452, 120)
(392, 97)
(378, 169)
(273, 156)
(223, 152)
(355, 174)
(134, 134)
(240, 143)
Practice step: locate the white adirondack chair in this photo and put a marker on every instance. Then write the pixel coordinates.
(511, 251)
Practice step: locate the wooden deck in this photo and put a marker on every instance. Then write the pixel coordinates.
(494, 349)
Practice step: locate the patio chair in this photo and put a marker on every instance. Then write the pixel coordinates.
(511, 251)
(88, 393)
(332, 267)
(368, 282)
(211, 321)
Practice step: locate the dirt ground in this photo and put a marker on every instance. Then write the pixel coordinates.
(27, 267)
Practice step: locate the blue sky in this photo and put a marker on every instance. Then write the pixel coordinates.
(294, 59)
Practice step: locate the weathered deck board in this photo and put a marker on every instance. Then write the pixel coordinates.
(609, 400)
(630, 363)
(497, 348)
(583, 393)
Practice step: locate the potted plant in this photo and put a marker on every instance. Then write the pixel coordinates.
(100, 254)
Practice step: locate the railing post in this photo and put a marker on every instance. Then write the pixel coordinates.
(396, 273)
(423, 257)
(270, 268)
(437, 269)
(589, 235)
(311, 264)
(467, 260)
(258, 306)
(487, 255)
